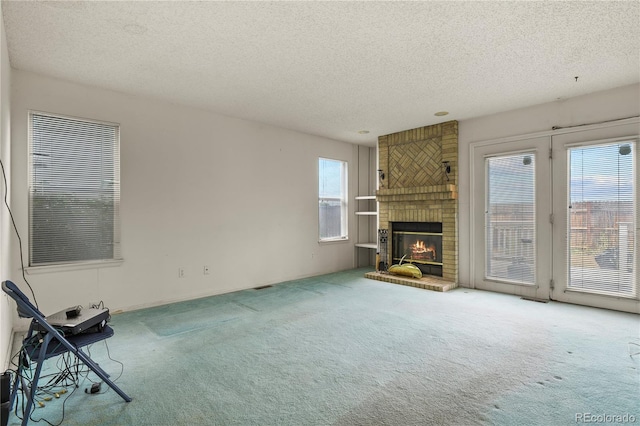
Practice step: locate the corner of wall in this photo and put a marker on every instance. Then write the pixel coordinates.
(6, 311)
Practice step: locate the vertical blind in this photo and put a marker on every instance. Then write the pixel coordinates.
(602, 204)
(74, 192)
(510, 218)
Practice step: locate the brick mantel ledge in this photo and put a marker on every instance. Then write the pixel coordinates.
(418, 193)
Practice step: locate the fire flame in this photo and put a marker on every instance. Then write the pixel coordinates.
(420, 250)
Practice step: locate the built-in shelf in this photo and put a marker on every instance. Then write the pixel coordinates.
(367, 199)
(366, 213)
(367, 245)
(365, 208)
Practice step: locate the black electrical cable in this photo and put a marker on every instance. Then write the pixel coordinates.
(64, 379)
(69, 375)
(114, 360)
(6, 203)
(55, 383)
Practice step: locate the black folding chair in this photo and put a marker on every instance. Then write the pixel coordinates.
(51, 343)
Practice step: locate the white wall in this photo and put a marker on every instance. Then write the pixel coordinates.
(622, 102)
(6, 304)
(197, 189)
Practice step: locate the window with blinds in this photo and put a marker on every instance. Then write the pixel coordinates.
(602, 204)
(74, 191)
(510, 231)
(332, 199)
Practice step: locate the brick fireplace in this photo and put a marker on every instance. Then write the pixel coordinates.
(420, 185)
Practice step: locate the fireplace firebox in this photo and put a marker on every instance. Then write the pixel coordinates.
(419, 243)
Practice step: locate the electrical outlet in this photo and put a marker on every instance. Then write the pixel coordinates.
(206, 270)
(180, 272)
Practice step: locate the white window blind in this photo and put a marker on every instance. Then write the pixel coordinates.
(602, 218)
(332, 199)
(510, 218)
(74, 194)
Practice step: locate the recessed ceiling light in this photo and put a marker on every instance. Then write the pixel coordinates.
(363, 132)
(441, 113)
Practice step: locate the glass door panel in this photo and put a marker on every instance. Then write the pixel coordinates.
(510, 218)
(601, 218)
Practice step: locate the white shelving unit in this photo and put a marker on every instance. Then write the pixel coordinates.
(366, 208)
(368, 203)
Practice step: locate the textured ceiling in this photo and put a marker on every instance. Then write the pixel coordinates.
(333, 68)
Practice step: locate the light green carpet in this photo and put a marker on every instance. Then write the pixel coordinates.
(340, 349)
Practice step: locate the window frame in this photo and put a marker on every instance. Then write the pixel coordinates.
(116, 254)
(343, 200)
